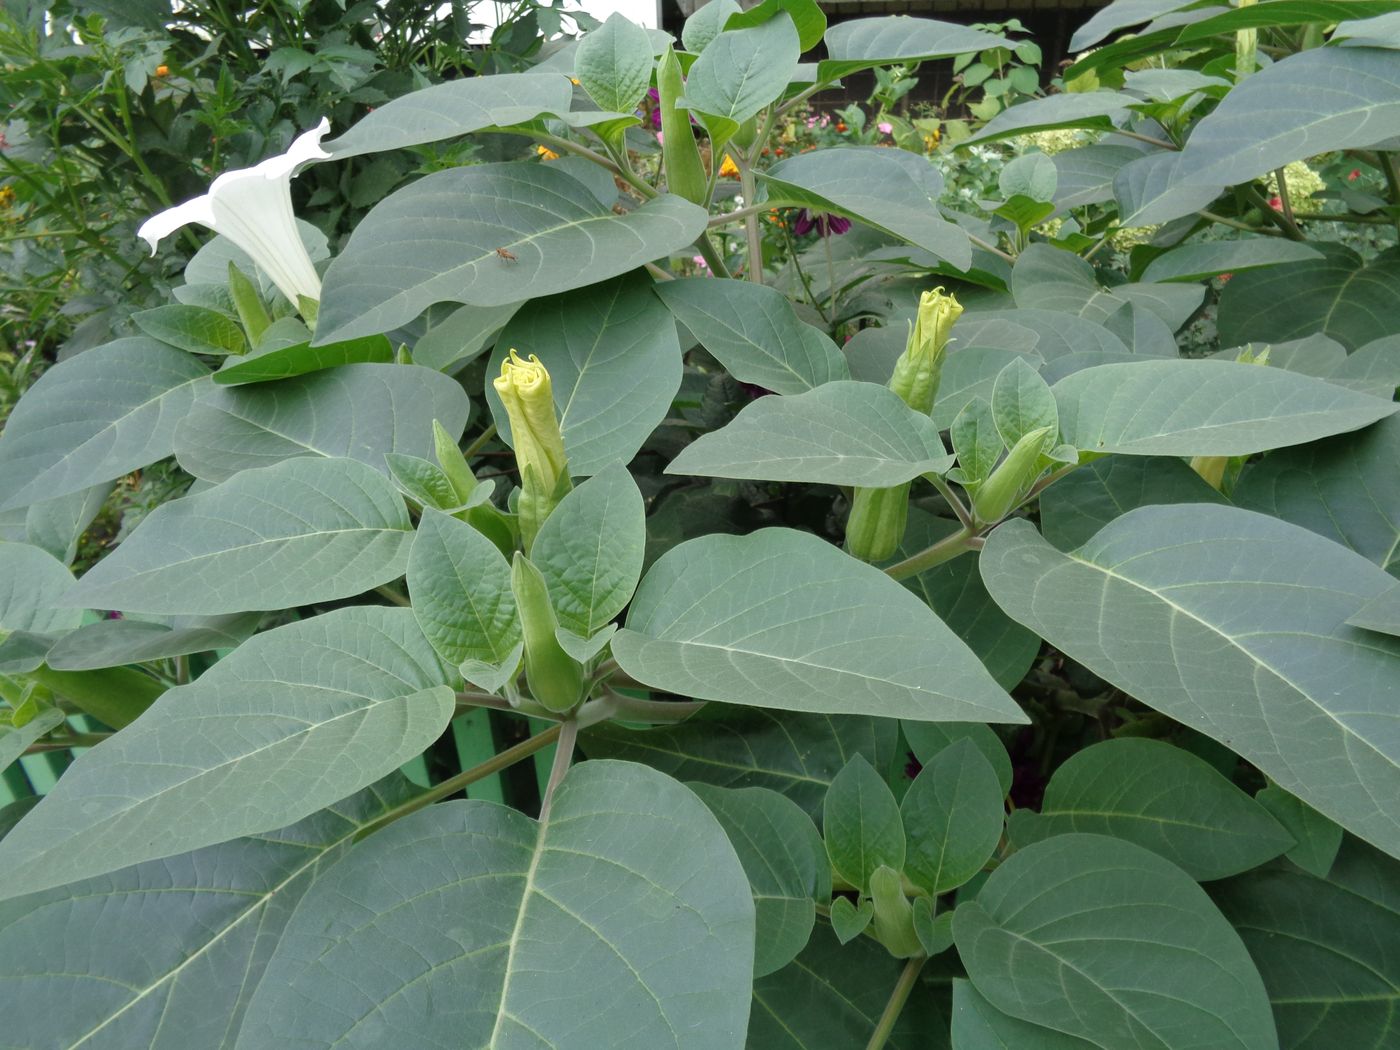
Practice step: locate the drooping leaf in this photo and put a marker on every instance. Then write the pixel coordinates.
(590, 549)
(1119, 15)
(783, 619)
(112, 643)
(796, 755)
(541, 944)
(292, 721)
(952, 817)
(754, 332)
(841, 433)
(892, 190)
(460, 587)
(1325, 948)
(741, 71)
(359, 411)
(1342, 488)
(436, 240)
(1063, 932)
(96, 417)
(1087, 499)
(1204, 408)
(862, 43)
(204, 922)
(301, 531)
(783, 857)
(614, 364)
(1307, 103)
(1235, 624)
(455, 108)
(1340, 295)
(1162, 798)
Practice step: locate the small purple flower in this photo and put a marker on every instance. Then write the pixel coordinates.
(654, 96)
(820, 221)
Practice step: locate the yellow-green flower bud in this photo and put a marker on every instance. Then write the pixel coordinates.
(555, 678)
(877, 521)
(920, 367)
(894, 915)
(1013, 478)
(685, 173)
(525, 391)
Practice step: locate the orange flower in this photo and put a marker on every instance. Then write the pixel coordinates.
(162, 71)
(546, 153)
(728, 169)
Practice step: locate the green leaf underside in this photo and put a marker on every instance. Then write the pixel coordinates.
(541, 946)
(112, 643)
(1204, 408)
(1162, 798)
(754, 332)
(1235, 624)
(784, 620)
(786, 866)
(841, 433)
(891, 190)
(861, 43)
(358, 411)
(31, 583)
(614, 364)
(292, 721)
(455, 108)
(796, 755)
(301, 531)
(203, 920)
(1106, 941)
(436, 240)
(1325, 949)
(94, 418)
(460, 587)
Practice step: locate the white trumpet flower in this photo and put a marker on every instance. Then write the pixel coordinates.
(252, 207)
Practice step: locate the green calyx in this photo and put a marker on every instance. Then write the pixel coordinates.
(920, 367)
(894, 915)
(555, 678)
(877, 521)
(685, 172)
(1013, 478)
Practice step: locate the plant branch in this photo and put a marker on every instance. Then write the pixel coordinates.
(908, 977)
(986, 247)
(1283, 222)
(563, 756)
(708, 252)
(749, 187)
(946, 491)
(737, 215)
(63, 743)
(1284, 199)
(1235, 224)
(658, 711)
(1161, 143)
(946, 549)
(480, 443)
(452, 785)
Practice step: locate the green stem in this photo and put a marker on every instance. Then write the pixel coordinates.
(946, 491)
(452, 785)
(907, 979)
(631, 709)
(1160, 143)
(749, 187)
(1235, 224)
(1283, 222)
(945, 549)
(563, 756)
(707, 250)
(1006, 257)
(63, 743)
(481, 441)
(737, 215)
(1284, 199)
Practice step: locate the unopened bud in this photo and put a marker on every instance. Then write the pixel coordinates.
(894, 915)
(1011, 480)
(525, 391)
(877, 521)
(555, 678)
(920, 367)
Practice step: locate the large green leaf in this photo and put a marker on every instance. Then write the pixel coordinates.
(360, 411)
(1077, 506)
(1204, 408)
(283, 360)
(1342, 488)
(1164, 799)
(754, 332)
(1106, 941)
(978, 1025)
(1381, 613)
(1099, 110)
(293, 720)
(1340, 295)
(1119, 15)
(787, 867)
(1154, 189)
(1235, 624)
(460, 587)
(590, 549)
(112, 643)
(1194, 262)
(806, 15)
(96, 417)
(741, 71)
(783, 619)
(892, 190)
(952, 817)
(1048, 278)
(861, 43)
(1308, 103)
(437, 240)
(455, 108)
(613, 63)
(31, 583)
(204, 922)
(705, 24)
(301, 531)
(614, 365)
(1326, 949)
(1280, 13)
(195, 329)
(56, 525)
(484, 928)
(841, 433)
(831, 997)
(796, 755)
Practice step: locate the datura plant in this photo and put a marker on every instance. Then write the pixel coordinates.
(681, 591)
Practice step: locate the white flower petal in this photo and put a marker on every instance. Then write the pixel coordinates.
(158, 227)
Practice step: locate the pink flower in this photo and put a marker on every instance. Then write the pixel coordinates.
(884, 127)
(660, 139)
(1276, 203)
(700, 263)
(1354, 175)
